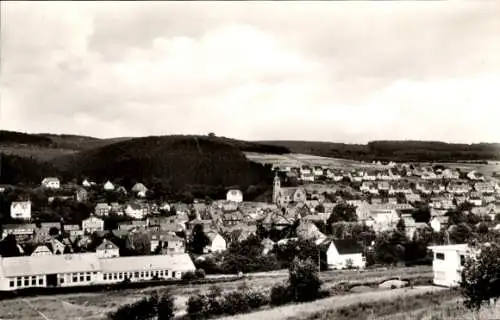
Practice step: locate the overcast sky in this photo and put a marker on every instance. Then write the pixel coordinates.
(343, 71)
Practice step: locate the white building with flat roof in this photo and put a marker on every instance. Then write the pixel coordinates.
(447, 263)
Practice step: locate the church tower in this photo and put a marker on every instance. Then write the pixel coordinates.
(276, 188)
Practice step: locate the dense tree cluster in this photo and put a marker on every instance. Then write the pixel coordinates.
(396, 150)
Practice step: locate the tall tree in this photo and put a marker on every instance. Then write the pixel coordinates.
(199, 239)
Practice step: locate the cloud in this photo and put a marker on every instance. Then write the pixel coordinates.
(336, 72)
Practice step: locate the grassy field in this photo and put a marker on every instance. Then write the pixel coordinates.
(297, 159)
(89, 306)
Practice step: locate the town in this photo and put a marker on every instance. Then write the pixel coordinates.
(351, 219)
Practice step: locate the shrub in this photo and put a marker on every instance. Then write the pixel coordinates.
(256, 299)
(144, 309)
(215, 301)
(280, 294)
(235, 302)
(188, 276)
(199, 273)
(165, 307)
(197, 307)
(304, 280)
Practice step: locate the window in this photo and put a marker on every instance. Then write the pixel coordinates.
(82, 277)
(33, 281)
(105, 276)
(120, 275)
(173, 274)
(40, 281)
(142, 274)
(19, 281)
(136, 274)
(439, 256)
(26, 281)
(115, 276)
(12, 283)
(462, 260)
(75, 277)
(147, 274)
(161, 273)
(61, 280)
(87, 277)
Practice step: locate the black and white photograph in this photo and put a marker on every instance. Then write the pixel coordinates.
(246, 160)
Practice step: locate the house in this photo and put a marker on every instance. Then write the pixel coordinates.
(234, 196)
(318, 171)
(41, 251)
(51, 183)
(439, 223)
(92, 224)
(217, 242)
(73, 230)
(268, 246)
(411, 226)
(46, 227)
(285, 196)
(168, 242)
(20, 231)
(413, 197)
(86, 183)
(132, 225)
(108, 186)
(447, 263)
(343, 254)
(307, 230)
(107, 249)
(475, 176)
(81, 195)
(20, 210)
(370, 175)
(116, 209)
(102, 209)
(384, 218)
(139, 189)
(383, 186)
(449, 174)
(56, 246)
(137, 210)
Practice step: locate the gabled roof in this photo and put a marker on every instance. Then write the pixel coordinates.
(35, 265)
(347, 246)
(107, 245)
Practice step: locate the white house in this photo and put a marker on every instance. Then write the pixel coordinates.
(217, 243)
(51, 183)
(109, 186)
(107, 249)
(92, 224)
(20, 210)
(447, 263)
(234, 196)
(342, 254)
(438, 223)
(136, 211)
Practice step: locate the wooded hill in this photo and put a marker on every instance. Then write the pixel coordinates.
(396, 150)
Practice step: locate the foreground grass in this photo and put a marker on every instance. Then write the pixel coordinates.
(329, 306)
(385, 308)
(96, 305)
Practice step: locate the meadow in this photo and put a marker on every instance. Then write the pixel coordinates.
(90, 306)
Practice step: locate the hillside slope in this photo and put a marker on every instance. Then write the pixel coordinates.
(395, 150)
(178, 161)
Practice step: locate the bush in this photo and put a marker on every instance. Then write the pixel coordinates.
(197, 307)
(189, 276)
(165, 307)
(280, 294)
(161, 308)
(304, 280)
(235, 302)
(199, 273)
(143, 309)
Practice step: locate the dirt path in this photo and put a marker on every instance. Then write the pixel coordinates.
(300, 311)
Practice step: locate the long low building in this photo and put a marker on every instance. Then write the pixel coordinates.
(87, 269)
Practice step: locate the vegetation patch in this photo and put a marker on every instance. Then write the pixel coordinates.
(363, 311)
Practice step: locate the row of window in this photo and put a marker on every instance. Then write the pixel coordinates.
(31, 281)
(137, 275)
(78, 277)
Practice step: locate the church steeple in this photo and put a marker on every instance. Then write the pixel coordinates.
(276, 187)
